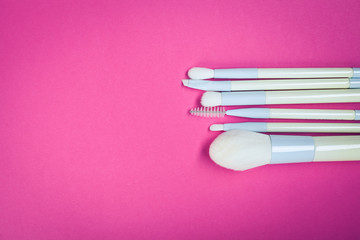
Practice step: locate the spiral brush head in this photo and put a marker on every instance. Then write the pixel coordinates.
(208, 112)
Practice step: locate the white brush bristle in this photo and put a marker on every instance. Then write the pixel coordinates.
(200, 73)
(185, 82)
(241, 150)
(208, 111)
(217, 127)
(211, 99)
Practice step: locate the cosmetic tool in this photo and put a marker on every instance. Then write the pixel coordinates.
(255, 73)
(211, 99)
(321, 114)
(279, 84)
(289, 127)
(242, 150)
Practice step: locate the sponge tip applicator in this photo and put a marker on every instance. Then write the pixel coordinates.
(200, 73)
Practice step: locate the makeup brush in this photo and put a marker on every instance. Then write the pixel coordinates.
(289, 127)
(211, 99)
(255, 73)
(321, 114)
(279, 84)
(242, 150)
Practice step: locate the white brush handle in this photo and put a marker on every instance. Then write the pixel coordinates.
(313, 96)
(314, 127)
(316, 83)
(211, 99)
(337, 148)
(323, 114)
(291, 149)
(304, 72)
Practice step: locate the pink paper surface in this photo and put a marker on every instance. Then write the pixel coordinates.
(96, 141)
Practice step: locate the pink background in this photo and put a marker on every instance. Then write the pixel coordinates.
(96, 141)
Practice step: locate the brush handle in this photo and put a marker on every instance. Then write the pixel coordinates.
(283, 97)
(322, 114)
(312, 96)
(291, 149)
(292, 84)
(337, 148)
(254, 73)
(289, 127)
(314, 127)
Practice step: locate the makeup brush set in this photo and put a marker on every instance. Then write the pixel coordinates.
(241, 147)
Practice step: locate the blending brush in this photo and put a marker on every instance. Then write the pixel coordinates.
(211, 99)
(289, 127)
(242, 150)
(255, 73)
(321, 114)
(279, 84)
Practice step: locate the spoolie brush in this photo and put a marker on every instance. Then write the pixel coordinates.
(208, 112)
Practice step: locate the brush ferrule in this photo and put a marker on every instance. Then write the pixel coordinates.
(250, 112)
(357, 115)
(209, 85)
(292, 149)
(248, 126)
(356, 73)
(354, 82)
(243, 98)
(232, 73)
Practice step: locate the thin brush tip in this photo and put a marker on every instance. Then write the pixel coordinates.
(185, 82)
(208, 112)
